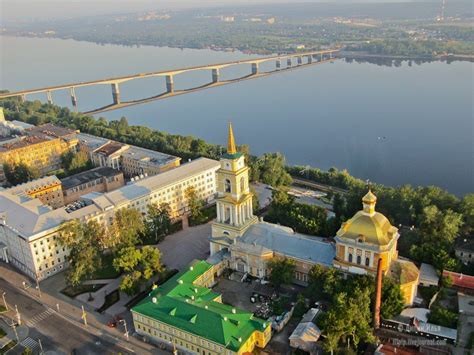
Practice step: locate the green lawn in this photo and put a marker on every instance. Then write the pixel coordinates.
(75, 291)
(107, 271)
(2, 308)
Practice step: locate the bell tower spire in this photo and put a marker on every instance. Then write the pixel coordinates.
(231, 141)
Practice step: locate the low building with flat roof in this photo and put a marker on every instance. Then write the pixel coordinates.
(186, 313)
(48, 189)
(101, 179)
(132, 160)
(428, 275)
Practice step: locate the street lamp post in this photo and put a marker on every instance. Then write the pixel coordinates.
(18, 317)
(13, 325)
(5, 301)
(125, 326)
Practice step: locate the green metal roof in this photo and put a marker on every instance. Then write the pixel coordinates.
(232, 156)
(192, 308)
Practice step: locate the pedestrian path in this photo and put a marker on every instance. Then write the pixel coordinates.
(30, 343)
(39, 317)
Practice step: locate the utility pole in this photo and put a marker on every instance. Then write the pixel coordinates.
(126, 330)
(41, 347)
(18, 317)
(84, 316)
(4, 301)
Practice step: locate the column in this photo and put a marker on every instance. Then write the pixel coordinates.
(116, 93)
(321, 57)
(215, 75)
(218, 210)
(49, 97)
(254, 68)
(169, 83)
(73, 97)
(234, 211)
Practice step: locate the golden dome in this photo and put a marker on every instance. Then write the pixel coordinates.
(368, 226)
(369, 197)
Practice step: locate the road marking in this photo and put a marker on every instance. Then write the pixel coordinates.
(39, 317)
(30, 343)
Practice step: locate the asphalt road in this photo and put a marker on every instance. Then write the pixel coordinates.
(56, 333)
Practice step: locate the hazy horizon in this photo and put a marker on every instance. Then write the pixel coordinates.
(30, 10)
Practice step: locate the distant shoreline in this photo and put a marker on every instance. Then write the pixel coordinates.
(343, 54)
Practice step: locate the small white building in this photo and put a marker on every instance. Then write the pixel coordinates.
(428, 275)
(307, 333)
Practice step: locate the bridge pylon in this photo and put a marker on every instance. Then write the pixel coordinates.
(115, 93)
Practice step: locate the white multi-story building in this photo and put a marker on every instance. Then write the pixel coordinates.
(29, 229)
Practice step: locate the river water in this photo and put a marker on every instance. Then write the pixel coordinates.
(407, 124)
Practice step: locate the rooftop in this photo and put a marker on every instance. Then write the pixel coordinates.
(145, 186)
(34, 185)
(92, 142)
(51, 131)
(149, 155)
(110, 148)
(265, 237)
(428, 275)
(460, 280)
(87, 176)
(22, 142)
(182, 304)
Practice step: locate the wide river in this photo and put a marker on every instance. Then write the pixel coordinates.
(410, 124)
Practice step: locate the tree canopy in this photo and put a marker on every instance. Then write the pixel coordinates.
(19, 173)
(282, 271)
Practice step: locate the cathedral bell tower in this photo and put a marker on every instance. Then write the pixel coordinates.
(234, 200)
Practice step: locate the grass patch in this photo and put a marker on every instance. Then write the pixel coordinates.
(208, 213)
(107, 271)
(2, 308)
(72, 292)
(7, 347)
(111, 298)
(164, 276)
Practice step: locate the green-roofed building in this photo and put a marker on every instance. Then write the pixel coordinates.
(185, 312)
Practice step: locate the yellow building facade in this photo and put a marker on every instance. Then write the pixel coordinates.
(40, 153)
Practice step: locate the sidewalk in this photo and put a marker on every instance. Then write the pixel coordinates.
(70, 310)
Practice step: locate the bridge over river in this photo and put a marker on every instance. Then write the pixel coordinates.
(283, 63)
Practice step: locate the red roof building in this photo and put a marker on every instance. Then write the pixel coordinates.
(461, 281)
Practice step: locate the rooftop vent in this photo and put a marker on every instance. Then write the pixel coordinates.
(191, 268)
(180, 282)
(234, 311)
(225, 319)
(154, 300)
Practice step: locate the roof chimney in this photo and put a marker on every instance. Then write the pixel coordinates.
(378, 295)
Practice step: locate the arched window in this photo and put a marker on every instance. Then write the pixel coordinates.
(367, 261)
(359, 259)
(228, 186)
(350, 258)
(242, 185)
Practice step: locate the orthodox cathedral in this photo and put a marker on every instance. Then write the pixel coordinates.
(242, 242)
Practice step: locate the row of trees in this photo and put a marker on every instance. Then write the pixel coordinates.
(269, 168)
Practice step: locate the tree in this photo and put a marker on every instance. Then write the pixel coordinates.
(158, 221)
(85, 245)
(282, 271)
(19, 173)
(195, 204)
(392, 299)
(127, 226)
(271, 170)
(75, 162)
(139, 266)
(467, 210)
